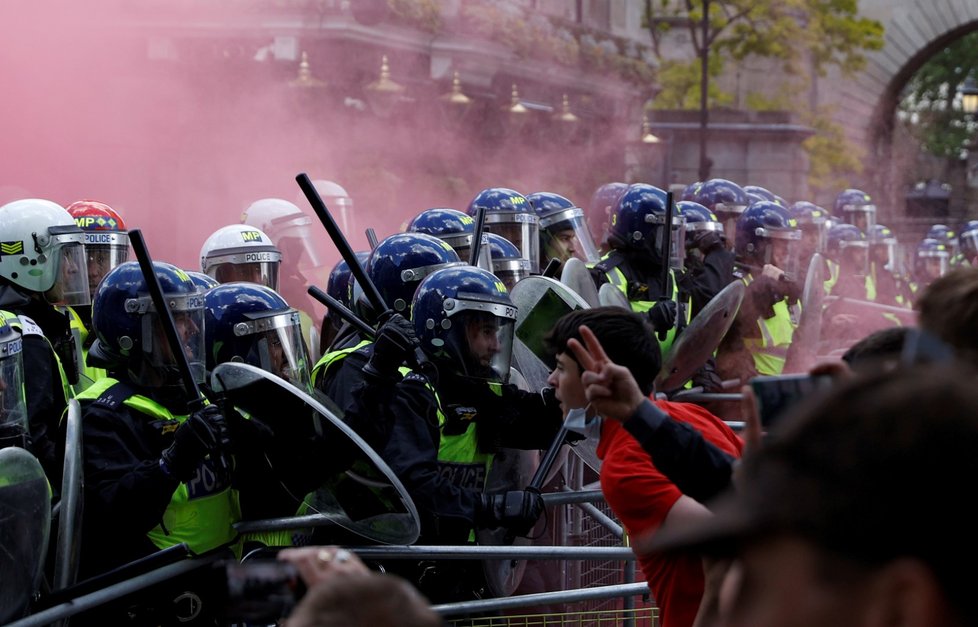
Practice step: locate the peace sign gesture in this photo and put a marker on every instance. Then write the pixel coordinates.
(611, 389)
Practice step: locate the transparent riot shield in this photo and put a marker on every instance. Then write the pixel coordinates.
(365, 498)
(70, 511)
(577, 277)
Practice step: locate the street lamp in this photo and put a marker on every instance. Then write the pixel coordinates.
(305, 77)
(648, 137)
(383, 94)
(969, 96)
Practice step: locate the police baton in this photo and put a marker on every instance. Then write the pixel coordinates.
(341, 310)
(666, 244)
(480, 222)
(197, 399)
(339, 240)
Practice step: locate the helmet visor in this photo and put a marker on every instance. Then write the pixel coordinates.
(13, 408)
(280, 348)
(935, 263)
(461, 243)
(260, 272)
(71, 270)
(188, 317)
(782, 253)
(488, 349)
(522, 229)
(293, 236)
(862, 216)
(565, 235)
(855, 256)
(677, 239)
(101, 259)
(510, 271)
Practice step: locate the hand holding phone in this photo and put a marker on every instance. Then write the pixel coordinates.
(776, 395)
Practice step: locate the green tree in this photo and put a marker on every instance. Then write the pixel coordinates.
(929, 106)
(804, 35)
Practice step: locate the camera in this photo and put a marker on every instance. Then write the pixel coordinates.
(260, 590)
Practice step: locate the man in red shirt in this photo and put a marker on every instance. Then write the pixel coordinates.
(685, 451)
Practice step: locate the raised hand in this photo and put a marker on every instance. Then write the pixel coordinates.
(611, 389)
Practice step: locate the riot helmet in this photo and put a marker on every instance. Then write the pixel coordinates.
(638, 224)
(814, 224)
(339, 285)
(756, 193)
(855, 207)
(563, 230)
(289, 229)
(128, 330)
(931, 260)
(239, 252)
(698, 221)
(201, 280)
(968, 241)
(14, 427)
(508, 213)
(883, 247)
(464, 319)
(337, 200)
(106, 238)
(507, 264)
(945, 235)
(42, 250)
(599, 211)
(767, 234)
(689, 192)
(456, 228)
(251, 323)
(726, 200)
(848, 247)
(400, 262)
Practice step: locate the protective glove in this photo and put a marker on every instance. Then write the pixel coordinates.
(517, 510)
(708, 378)
(394, 344)
(663, 317)
(708, 241)
(202, 434)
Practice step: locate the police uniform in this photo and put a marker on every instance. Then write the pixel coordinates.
(132, 507)
(45, 384)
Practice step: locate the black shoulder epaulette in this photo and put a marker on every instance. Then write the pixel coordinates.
(114, 396)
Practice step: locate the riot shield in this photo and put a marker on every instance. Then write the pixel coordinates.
(576, 276)
(511, 469)
(70, 511)
(541, 301)
(366, 499)
(805, 340)
(611, 296)
(700, 339)
(25, 521)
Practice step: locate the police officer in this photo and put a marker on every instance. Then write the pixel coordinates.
(42, 265)
(455, 228)
(106, 246)
(708, 264)
(725, 199)
(969, 243)
(855, 207)
(891, 286)
(14, 427)
(767, 255)
(156, 474)
(508, 213)
(635, 263)
(339, 285)
(563, 231)
(507, 264)
(599, 213)
(238, 252)
(814, 224)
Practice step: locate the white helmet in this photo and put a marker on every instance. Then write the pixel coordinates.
(239, 252)
(43, 250)
(288, 227)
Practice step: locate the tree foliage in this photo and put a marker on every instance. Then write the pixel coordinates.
(803, 35)
(930, 104)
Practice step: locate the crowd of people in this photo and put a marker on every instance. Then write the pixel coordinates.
(415, 360)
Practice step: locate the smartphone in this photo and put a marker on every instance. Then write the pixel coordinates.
(777, 395)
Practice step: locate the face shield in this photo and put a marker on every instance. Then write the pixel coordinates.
(564, 234)
(861, 216)
(104, 251)
(855, 257)
(522, 229)
(70, 268)
(728, 215)
(677, 245)
(781, 248)
(696, 230)
(292, 235)
(14, 430)
(461, 243)
(188, 316)
(245, 264)
(482, 335)
(408, 275)
(510, 271)
(277, 346)
(934, 263)
(883, 253)
(968, 242)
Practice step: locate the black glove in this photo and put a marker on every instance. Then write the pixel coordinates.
(663, 317)
(200, 435)
(708, 378)
(394, 344)
(517, 510)
(708, 241)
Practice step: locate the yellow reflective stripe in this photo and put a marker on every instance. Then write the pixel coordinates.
(13, 320)
(319, 370)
